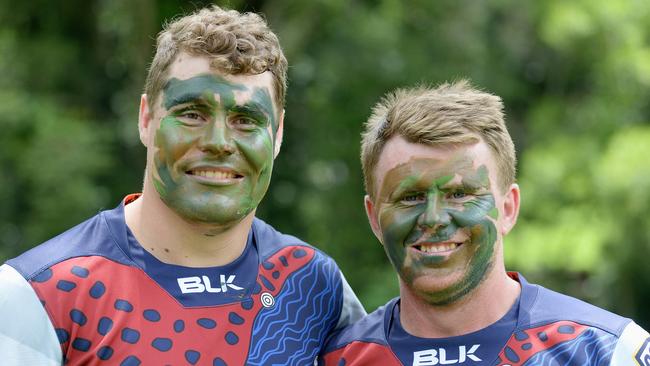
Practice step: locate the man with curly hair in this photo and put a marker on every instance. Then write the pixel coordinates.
(184, 273)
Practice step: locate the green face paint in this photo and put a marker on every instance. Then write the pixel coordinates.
(214, 148)
(425, 203)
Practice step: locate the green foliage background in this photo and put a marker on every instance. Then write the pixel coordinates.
(574, 77)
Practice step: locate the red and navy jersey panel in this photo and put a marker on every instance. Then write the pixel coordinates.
(111, 302)
(542, 328)
(358, 353)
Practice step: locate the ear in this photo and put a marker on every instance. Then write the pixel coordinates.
(278, 135)
(144, 119)
(372, 218)
(510, 209)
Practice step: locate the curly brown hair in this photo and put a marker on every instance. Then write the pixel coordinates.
(236, 43)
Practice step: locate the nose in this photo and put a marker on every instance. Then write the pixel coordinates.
(216, 138)
(433, 216)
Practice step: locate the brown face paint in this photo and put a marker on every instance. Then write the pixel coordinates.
(431, 201)
(207, 129)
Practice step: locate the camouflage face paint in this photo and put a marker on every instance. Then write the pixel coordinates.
(427, 201)
(214, 148)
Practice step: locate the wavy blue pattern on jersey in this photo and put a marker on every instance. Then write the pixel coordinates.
(593, 347)
(301, 318)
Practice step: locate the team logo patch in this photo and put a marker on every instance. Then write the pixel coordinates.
(643, 355)
(267, 300)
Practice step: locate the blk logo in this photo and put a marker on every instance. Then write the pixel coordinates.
(190, 285)
(438, 356)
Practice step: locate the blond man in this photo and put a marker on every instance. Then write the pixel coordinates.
(439, 169)
(184, 273)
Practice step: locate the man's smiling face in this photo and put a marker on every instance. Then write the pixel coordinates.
(212, 141)
(436, 211)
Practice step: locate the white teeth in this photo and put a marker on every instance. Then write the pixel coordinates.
(214, 174)
(437, 248)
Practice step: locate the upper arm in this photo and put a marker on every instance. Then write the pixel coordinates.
(27, 336)
(632, 348)
(352, 310)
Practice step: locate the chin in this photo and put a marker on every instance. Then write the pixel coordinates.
(211, 214)
(441, 289)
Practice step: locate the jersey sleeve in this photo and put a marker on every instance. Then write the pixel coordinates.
(352, 310)
(632, 348)
(27, 336)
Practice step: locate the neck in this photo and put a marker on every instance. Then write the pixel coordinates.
(475, 311)
(173, 240)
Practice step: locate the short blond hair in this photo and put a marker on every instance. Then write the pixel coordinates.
(237, 43)
(452, 113)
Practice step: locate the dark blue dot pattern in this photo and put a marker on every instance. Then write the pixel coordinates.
(234, 318)
(80, 271)
(98, 290)
(206, 323)
(105, 353)
(130, 361)
(151, 315)
(130, 335)
(179, 326)
(78, 317)
(162, 344)
(81, 344)
(566, 329)
(267, 283)
(150, 318)
(299, 253)
(123, 305)
(192, 356)
(247, 304)
(66, 286)
(232, 338)
(219, 362)
(284, 261)
(511, 355)
(62, 335)
(257, 288)
(342, 362)
(542, 336)
(521, 336)
(43, 276)
(104, 325)
(529, 346)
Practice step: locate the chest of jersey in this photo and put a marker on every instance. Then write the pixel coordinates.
(110, 313)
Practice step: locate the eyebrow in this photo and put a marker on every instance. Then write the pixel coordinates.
(252, 108)
(186, 97)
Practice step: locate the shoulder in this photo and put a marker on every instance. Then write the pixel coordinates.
(550, 306)
(94, 236)
(370, 329)
(270, 242)
(364, 341)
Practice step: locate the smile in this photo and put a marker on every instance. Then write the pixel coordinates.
(215, 175)
(437, 248)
